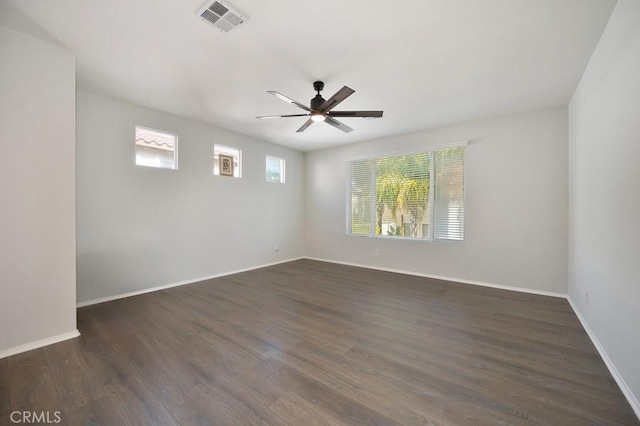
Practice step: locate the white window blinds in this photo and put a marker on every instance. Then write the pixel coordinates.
(360, 198)
(402, 195)
(449, 194)
(416, 196)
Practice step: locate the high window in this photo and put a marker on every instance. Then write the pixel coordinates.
(415, 196)
(155, 148)
(275, 169)
(230, 158)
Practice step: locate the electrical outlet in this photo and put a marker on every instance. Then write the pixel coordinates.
(376, 251)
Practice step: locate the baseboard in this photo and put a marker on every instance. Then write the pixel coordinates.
(633, 400)
(38, 344)
(398, 271)
(438, 277)
(177, 284)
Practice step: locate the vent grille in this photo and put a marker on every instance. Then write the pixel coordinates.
(210, 16)
(221, 16)
(233, 19)
(218, 8)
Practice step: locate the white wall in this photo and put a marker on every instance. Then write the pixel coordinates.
(142, 227)
(604, 234)
(37, 189)
(516, 205)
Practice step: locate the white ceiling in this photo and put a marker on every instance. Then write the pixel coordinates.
(426, 63)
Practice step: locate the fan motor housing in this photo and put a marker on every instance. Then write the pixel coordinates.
(317, 102)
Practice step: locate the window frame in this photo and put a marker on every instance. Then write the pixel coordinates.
(431, 149)
(215, 159)
(283, 163)
(162, 132)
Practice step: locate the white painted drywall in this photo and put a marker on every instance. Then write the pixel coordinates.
(37, 191)
(604, 233)
(142, 227)
(516, 205)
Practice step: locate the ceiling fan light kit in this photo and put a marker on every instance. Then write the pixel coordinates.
(321, 109)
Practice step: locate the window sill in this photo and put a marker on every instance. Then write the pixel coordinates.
(390, 237)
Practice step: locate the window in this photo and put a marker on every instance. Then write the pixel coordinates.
(275, 169)
(413, 196)
(231, 152)
(156, 149)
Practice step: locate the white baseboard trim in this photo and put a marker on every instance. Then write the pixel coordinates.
(438, 277)
(177, 284)
(633, 400)
(398, 271)
(38, 344)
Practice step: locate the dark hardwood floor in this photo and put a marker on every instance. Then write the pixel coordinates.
(311, 343)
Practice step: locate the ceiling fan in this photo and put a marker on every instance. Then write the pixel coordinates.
(321, 110)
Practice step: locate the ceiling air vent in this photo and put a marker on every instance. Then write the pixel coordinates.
(221, 16)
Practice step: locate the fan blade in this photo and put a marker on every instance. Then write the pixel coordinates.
(308, 123)
(340, 96)
(289, 100)
(362, 114)
(283, 116)
(337, 124)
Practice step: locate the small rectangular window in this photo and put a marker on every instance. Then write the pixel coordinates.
(275, 169)
(221, 153)
(155, 148)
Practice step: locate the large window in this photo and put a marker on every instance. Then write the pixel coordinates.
(155, 148)
(416, 196)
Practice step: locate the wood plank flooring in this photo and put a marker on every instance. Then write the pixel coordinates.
(312, 343)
